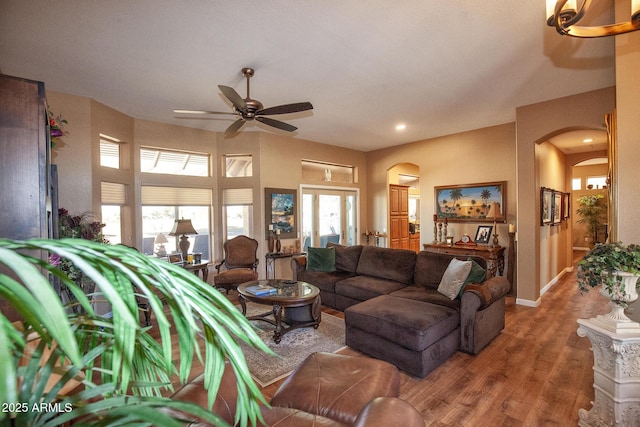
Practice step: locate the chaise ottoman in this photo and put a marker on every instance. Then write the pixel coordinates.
(415, 336)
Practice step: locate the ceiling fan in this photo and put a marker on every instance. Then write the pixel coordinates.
(248, 109)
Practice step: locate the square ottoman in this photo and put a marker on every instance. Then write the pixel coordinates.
(337, 386)
(415, 336)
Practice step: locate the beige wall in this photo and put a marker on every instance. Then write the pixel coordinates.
(482, 155)
(628, 109)
(535, 124)
(554, 259)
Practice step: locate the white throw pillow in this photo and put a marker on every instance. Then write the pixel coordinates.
(454, 277)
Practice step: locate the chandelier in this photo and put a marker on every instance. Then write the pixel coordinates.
(564, 14)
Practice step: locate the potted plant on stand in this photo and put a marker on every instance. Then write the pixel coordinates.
(614, 267)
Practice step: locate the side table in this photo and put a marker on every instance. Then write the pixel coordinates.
(270, 261)
(199, 267)
(493, 255)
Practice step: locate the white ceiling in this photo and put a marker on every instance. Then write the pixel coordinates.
(440, 67)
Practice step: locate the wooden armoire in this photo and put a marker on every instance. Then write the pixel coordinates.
(398, 216)
(26, 207)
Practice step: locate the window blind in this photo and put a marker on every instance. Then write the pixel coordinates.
(237, 196)
(175, 196)
(113, 193)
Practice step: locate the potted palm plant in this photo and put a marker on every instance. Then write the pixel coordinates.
(614, 267)
(123, 370)
(591, 209)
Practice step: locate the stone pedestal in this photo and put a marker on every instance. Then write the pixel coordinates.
(616, 376)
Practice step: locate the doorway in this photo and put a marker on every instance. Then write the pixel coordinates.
(329, 215)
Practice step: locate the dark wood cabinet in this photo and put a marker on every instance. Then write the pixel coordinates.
(25, 171)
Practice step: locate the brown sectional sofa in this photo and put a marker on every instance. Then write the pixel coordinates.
(394, 312)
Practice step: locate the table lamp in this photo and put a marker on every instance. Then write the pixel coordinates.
(183, 227)
(160, 240)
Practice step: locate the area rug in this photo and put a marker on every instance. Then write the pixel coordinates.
(295, 346)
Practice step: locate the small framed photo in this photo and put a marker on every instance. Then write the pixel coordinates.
(175, 258)
(449, 240)
(483, 234)
(546, 206)
(557, 208)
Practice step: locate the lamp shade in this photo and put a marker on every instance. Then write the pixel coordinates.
(160, 239)
(182, 226)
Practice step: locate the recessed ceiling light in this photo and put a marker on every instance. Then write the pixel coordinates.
(401, 126)
(587, 140)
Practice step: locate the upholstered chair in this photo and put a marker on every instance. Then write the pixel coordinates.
(240, 263)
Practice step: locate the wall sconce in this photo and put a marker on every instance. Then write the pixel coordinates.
(564, 14)
(183, 227)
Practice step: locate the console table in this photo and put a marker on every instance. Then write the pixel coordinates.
(202, 266)
(270, 261)
(493, 255)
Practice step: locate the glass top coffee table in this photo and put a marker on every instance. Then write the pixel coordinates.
(295, 303)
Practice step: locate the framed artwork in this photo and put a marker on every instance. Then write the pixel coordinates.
(484, 202)
(483, 234)
(280, 212)
(175, 258)
(566, 205)
(557, 207)
(546, 206)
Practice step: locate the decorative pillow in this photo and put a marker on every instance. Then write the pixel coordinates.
(476, 275)
(454, 277)
(321, 259)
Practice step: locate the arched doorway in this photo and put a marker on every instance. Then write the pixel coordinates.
(403, 182)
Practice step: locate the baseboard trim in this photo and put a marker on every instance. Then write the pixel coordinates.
(527, 302)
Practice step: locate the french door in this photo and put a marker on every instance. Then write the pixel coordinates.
(329, 216)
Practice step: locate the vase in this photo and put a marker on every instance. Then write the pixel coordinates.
(271, 244)
(623, 292)
(278, 246)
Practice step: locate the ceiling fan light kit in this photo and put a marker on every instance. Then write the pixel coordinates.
(247, 109)
(564, 15)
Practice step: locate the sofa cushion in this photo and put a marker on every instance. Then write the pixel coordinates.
(321, 259)
(430, 267)
(346, 256)
(386, 263)
(362, 288)
(323, 280)
(476, 275)
(454, 277)
(420, 293)
(412, 324)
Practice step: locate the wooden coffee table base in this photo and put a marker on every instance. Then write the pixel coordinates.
(295, 317)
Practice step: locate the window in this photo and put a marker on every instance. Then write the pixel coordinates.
(173, 162)
(597, 182)
(109, 152)
(238, 165)
(327, 172)
(576, 184)
(238, 211)
(113, 197)
(161, 206)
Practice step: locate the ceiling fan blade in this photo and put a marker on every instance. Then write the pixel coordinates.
(201, 112)
(233, 96)
(287, 108)
(277, 124)
(233, 128)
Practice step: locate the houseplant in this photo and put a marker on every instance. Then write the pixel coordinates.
(122, 368)
(615, 268)
(591, 209)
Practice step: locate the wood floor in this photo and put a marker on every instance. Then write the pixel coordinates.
(537, 372)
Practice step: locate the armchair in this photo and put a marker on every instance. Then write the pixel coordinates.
(240, 263)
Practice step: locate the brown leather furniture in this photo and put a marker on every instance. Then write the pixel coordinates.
(240, 263)
(325, 390)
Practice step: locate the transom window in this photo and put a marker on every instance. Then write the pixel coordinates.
(238, 165)
(173, 162)
(109, 152)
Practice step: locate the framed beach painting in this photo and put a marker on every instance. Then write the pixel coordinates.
(280, 212)
(484, 202)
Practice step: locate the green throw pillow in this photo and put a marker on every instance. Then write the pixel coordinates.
(476, 275)
(321, 259)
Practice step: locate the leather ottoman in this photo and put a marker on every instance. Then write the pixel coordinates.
(415, 336)
(337, 386)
